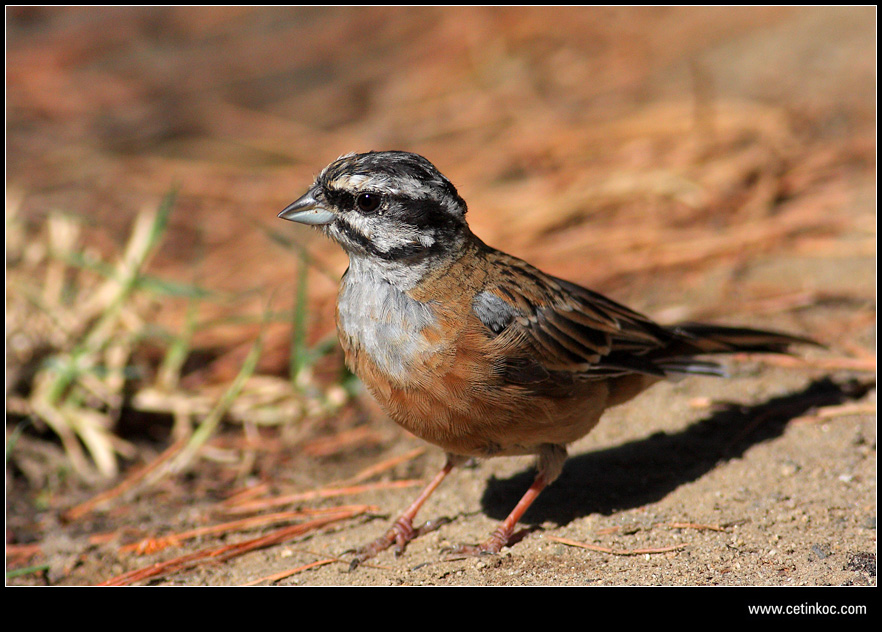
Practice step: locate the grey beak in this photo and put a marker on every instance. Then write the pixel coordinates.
(306, 210)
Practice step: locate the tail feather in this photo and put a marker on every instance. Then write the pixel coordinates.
(721, 339)
(695, 339)
(690, 366)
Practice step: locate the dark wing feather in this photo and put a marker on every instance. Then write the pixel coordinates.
(560, 328)
(563, 327)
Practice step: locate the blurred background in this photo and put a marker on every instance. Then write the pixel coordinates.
(714, 163)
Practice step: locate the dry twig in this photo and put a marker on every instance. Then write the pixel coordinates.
(611, 551)
(326, 492)
(223, 553)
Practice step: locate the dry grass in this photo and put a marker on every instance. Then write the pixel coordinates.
(84, 351)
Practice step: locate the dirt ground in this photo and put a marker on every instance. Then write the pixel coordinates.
(706, 163)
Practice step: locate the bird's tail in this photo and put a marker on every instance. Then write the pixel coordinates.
(697, 339)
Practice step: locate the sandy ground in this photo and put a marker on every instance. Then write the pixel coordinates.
(737, 481)
(793, 505)
(767, 478)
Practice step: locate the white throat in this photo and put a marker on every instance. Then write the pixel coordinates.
(377, 316)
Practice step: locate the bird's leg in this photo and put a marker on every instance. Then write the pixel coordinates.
(502, 534)
(402, 530)
(551, 460)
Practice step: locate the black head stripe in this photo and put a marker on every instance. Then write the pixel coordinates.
(423, 213)
(420, 213)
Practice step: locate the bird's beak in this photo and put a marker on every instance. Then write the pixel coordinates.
(306, 210)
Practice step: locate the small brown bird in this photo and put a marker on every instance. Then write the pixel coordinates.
(473, 349)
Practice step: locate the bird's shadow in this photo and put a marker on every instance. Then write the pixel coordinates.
(646, 470)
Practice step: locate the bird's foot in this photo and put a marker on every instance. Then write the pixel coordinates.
(399, 534)
(492, 545)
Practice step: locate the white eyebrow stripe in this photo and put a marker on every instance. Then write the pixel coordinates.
(358, 182)
(349, 182)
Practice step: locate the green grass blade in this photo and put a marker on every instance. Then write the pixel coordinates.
(212, 420)
(300, 355)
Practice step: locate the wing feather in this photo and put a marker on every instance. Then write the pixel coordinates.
(563, 327)
(554, 332)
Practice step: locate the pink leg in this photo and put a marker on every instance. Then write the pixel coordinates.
(402, 530)
(502, 534)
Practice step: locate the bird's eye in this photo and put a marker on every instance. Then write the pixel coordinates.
(368, 202)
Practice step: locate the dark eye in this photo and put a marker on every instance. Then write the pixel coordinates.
(368, 202)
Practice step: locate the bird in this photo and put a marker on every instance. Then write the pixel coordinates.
(475, 350)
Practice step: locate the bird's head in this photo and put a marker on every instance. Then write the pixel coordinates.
(391, 208)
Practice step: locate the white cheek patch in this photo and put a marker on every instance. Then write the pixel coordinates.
(362, 225)
(387, 235)
(395, 235)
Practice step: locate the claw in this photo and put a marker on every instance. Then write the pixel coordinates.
(401, 532)
(397, 537)
(432, 525)
(491, 546)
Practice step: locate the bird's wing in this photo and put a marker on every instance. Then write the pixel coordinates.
(557, 326)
